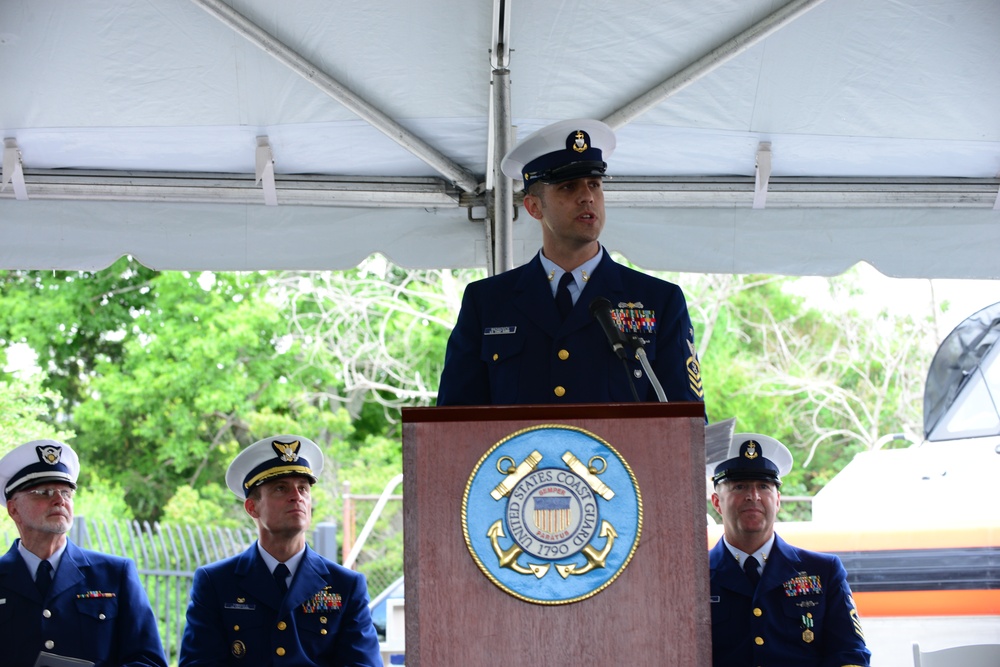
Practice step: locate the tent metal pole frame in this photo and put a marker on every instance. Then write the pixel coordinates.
(710, 61)
(621, 191)
(451, 170)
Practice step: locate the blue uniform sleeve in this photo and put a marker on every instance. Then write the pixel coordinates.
(357, 642)
(677, 366)
(465, 379)
(138, 641)
(203, 643)
(844, 639)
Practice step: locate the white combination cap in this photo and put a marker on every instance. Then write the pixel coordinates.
(270, 458)
(37, 462)
(561, 152)
(754, 456)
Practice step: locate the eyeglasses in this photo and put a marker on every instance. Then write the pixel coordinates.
(47, 494)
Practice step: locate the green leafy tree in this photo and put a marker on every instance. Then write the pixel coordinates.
(74, 320)
(377, 332)
(819, 381)
(205, 376)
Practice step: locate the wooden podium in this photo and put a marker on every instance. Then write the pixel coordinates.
(655, 613)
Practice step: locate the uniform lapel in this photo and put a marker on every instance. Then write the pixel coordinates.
(782, 566)
(14, 575)
(726, 571)
(308, 581)
(70, 570)
(255, 579)
(533, 297)
(605, 281)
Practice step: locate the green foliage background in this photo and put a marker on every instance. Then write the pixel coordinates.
(158, 379)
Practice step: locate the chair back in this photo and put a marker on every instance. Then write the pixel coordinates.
(973, 655)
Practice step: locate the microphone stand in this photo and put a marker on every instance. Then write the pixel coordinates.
(640, 353)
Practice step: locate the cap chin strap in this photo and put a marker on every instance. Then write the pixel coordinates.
(279, 472)
(33, 479)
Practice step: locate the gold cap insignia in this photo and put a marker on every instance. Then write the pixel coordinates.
(49, 454)
(286, 451)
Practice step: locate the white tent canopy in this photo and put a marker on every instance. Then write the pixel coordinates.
(754, 136)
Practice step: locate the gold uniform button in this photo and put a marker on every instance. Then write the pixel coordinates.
(282, 625)
(564, 354)
(757, 611)
(495, 356)
(322, 619)
(759, 641)
(323, 631)
(280, 651)
(559, 391)
(236, 628)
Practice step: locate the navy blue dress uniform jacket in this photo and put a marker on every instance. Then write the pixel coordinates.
(510, 347)
(802, 613)
(237, 616)
(96, 609)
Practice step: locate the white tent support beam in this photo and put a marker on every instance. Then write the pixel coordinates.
(503, 203)
(451, 170)
(710, 61)
(623, 191)
(190, 188)
(500, 141)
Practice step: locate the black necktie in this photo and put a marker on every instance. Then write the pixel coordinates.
(750, 567)
(564, 302)
(43, 578)
(281, 577)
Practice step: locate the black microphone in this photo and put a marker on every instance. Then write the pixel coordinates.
(600, 309)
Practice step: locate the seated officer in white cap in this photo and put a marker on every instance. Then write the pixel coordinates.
(279, 602)
(54, 596)
(528, 335)
(772, 603)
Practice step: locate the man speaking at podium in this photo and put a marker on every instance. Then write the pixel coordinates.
(564, 327)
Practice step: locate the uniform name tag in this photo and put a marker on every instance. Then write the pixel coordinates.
(498, 331)
(238, 605)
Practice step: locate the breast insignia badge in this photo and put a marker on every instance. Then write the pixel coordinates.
(552, 514)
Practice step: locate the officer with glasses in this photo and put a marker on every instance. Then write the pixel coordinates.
(57, 599)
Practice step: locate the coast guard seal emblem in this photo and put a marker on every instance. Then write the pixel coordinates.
(552, 514)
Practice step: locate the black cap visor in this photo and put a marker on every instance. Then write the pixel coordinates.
(744, 475)
(572, 171)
